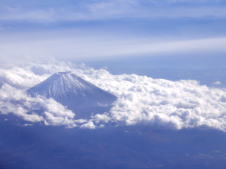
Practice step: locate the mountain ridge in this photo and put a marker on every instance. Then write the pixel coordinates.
(75, 93)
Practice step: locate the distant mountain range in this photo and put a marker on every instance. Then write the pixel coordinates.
(75, 93)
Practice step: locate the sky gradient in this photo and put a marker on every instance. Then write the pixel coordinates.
(86, 31)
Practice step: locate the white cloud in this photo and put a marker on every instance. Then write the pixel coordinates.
(17, 102)
(141, 99)
(217, 83)
(19, 77)
(115, 9)
(177, 104)
(87, 47)
(89, 125)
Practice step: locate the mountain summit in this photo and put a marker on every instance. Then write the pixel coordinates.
(75, 93)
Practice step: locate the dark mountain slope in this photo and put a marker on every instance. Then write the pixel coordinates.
(75, 93)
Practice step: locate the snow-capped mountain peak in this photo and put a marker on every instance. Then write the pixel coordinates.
(60, 84)
(75, 93)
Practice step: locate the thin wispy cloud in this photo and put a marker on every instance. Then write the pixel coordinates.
(82, 30)
(83, 48)
(118, 9)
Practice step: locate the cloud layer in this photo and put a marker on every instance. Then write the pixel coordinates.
(74, 47)
(52, 11)
(141, 99)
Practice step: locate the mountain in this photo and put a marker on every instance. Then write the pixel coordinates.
(75, 93)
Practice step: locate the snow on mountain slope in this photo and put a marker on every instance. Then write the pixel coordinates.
(76, 94)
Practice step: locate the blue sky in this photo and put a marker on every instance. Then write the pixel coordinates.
(80, 10)
(94, 30)
(166, 39)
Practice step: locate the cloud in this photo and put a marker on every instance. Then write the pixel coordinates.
(99, 46)
(14, 99)
(179, 104)
(111, 9)
(141, 99)
(35, 110)
(19, 77)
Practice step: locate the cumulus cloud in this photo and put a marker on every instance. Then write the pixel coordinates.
(141, 99)
(48, 111)
(19, 77)
(178, 104)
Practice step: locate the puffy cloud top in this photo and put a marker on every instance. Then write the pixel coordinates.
(178, 104)
(141, 99)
